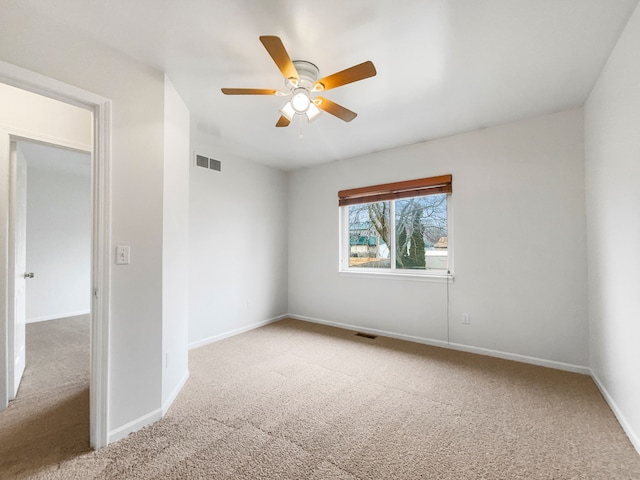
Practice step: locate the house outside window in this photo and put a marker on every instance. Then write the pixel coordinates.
(405, 230)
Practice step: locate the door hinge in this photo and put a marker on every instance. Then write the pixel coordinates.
(95, 293)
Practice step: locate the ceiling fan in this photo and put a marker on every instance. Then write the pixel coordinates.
(301, 80)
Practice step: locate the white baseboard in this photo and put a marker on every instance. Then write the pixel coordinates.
(135, 425)
(174, 394)
(373, 331)
(237, 331)
(121, 432)
(44, 318)
(633, 437)
(516, 357)
(454, 346)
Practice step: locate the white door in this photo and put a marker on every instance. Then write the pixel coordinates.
(17, 269)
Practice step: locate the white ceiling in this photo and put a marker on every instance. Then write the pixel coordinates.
(444, 66)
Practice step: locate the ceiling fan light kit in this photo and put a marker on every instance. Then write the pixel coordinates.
(301, 80)
(300, 100)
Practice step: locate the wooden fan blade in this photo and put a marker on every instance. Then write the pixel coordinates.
(335, 109)
(350, 75)
(248, 91)
(280, 56)
(283, 121)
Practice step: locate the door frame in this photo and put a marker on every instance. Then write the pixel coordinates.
(100, 238)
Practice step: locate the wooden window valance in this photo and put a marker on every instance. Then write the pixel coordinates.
(393, 191)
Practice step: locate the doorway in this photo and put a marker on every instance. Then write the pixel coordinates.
(57, 264)
(58, 230)
(100, 109)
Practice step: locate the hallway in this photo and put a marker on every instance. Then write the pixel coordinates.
(49, 419)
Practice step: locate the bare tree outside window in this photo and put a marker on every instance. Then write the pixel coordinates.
(419, 230)
(421, 222)
(369, 227)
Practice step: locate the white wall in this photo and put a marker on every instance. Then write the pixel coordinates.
(237, 244)
(518, 235)
(612, 131)
(175, 245)
(28, 114)
(55, 121)
(58, 239)
(31, 41)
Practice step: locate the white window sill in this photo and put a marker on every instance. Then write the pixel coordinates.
(419, 277)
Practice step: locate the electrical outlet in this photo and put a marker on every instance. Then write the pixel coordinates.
(466, 319)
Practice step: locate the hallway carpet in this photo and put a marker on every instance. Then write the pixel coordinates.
(294, 400)
(48, 422)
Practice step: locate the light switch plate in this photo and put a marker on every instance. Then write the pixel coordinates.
(123, 255)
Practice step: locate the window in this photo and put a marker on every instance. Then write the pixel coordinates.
(398, 227)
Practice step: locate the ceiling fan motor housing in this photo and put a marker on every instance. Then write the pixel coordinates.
(307, 75)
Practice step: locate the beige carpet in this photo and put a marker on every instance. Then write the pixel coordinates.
(300, 401)
(48, 422)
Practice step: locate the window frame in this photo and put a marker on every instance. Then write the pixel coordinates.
(410, 274)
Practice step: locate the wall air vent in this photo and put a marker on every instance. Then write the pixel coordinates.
(210, 163)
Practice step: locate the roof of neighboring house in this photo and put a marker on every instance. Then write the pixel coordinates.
(361, 226)
(362, 240)
(442, 243)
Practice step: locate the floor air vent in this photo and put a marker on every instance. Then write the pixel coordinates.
(366, 335)
(210, 163)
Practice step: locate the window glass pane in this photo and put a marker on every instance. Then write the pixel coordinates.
(369, 235)
(421, 232)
